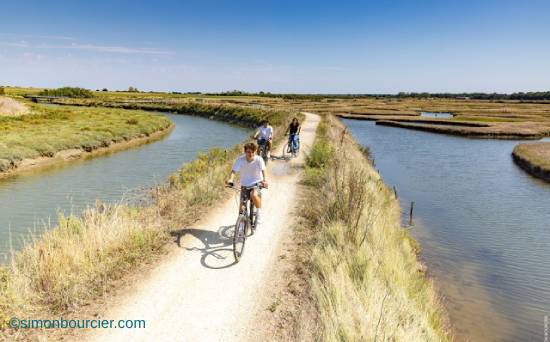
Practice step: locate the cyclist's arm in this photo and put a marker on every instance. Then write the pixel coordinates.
(299, 129)
(231, 176)
(272, 133)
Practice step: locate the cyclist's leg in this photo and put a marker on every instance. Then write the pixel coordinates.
(256, 197)
(289, 144)
(292, 141)
(244, 197)
(260, 142)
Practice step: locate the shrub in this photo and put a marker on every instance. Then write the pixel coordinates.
(68, 92)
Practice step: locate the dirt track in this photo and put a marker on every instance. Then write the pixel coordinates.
(10, 107)
(200, 294)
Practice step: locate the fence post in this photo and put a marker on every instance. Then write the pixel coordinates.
(411, 214)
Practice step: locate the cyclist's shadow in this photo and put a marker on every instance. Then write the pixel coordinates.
(217, 251)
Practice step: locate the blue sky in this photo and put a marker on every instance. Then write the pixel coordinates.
(278, 46)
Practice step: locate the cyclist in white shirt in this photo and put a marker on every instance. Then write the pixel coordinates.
(252, 170)
(264, 135)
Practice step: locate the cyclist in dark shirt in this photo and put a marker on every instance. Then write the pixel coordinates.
(294, 127)
(293, 131)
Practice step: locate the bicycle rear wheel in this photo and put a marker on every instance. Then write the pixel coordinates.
(286, 150)
(264, 155)
(239, 237)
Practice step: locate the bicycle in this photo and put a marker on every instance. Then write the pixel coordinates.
(292, 146)
(246, 221)
(262, 145)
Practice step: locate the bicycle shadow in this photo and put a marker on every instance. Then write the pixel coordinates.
(217, 250)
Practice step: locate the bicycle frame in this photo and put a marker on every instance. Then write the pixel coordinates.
(245, 216)
(293, 141)
(262, 147)
(246, 204)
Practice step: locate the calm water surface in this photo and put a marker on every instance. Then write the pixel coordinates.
(483, 225)
(28, 201)
(441, 115)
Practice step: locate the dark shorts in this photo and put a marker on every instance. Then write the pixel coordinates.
(246, 191)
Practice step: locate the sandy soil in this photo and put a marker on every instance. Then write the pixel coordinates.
(10, 107)
(199, 293)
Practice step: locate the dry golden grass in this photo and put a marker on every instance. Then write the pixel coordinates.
(537, 154)
(366, 278)
(534, 158)
(11, 107)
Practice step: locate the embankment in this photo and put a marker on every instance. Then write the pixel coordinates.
(534, 158)
(49, 135)
(229, 113)
(485, 130)
(365, 279)
(496, 131)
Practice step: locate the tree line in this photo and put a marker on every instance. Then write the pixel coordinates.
(531, 96)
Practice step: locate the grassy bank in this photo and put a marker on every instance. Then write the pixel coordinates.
(44, 131)
(365, 277)
(227, 112)
(534, 158)
(83, 257)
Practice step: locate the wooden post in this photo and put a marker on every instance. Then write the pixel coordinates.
(343, 135)
(411, 214)
(395, 192)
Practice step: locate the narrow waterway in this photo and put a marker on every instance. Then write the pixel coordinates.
(483, 225)
(29, 202)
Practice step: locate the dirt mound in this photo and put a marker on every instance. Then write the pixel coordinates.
(10, 107)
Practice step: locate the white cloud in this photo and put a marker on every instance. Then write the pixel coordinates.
(21, 44)
(114, 49)
(51, 37)
(86, 46)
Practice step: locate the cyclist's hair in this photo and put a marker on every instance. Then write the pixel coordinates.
(250, 146)
(266, 120)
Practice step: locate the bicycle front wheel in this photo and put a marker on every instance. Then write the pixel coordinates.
(239, 237)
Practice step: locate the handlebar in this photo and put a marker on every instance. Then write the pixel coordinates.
(232, 186)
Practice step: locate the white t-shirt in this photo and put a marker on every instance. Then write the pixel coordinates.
(265, 132)
(251, 172)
